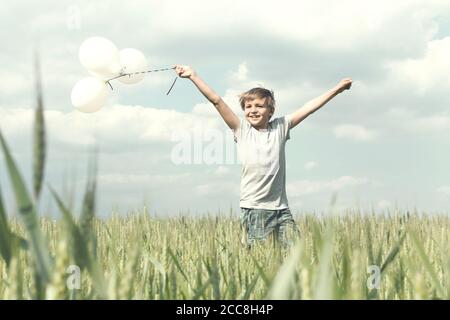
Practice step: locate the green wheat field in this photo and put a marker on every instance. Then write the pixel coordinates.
(341, 255)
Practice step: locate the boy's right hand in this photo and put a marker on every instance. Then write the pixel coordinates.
(184, 71)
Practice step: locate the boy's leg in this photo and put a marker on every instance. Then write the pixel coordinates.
(257, 224)
(287, 229)
(247, 238)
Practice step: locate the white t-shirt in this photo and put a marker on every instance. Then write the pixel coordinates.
(261, 152)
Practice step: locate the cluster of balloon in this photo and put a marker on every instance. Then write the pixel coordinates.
(104, 62)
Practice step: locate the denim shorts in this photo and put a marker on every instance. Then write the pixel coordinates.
(258, 224)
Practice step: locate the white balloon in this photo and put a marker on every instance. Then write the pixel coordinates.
(89, 94)
(132, 60)
(100, 57)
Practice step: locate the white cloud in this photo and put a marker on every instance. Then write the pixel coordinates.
(119, 125)
(311, 165)
(413, 122)
(346, 181)
(306, 187)
(354, 132)
(353, 22)
(426, 73)
(222, 171)
(445, 190)
(156, 180)
(241, 74)
(219, 188)
(15, 121)
(12, 83)
(433, 123)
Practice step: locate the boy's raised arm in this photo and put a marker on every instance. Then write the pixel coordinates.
(225, 111)
(316, 103)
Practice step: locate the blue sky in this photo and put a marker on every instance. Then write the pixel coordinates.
(383, 144)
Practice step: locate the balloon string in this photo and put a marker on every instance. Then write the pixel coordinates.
(122, 74)
(172, 86)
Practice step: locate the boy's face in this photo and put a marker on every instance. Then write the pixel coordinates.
(257, 113)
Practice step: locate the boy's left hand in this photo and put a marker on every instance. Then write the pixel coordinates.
(344, 84)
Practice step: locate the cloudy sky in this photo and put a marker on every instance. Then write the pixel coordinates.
(383, 144)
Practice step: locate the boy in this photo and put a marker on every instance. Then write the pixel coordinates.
(261, 148)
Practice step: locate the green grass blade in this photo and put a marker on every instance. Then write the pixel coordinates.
(393, 253)
(324, 281)
(389, 259)
(177, 264)
(5, 234)
(249, 289)
(88, 210)
(346, 271)
(369, 242)
(82, 255)
(29, 217)
(67, 216)
(428, 266)
(261, 272)
(39, 145)
(213, 276)
(282, 284)
(201, 290)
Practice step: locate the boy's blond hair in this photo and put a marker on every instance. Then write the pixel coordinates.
(259, 93)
